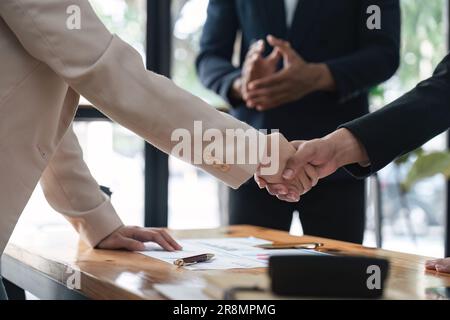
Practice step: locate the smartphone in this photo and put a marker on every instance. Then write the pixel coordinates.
(328, 276)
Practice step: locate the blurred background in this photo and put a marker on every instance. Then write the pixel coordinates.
(412, 220)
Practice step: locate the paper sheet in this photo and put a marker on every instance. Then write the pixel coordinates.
(230, 253)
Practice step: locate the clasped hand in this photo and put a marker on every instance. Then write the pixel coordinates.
(262, 86)
(293, 178)
(311, 161)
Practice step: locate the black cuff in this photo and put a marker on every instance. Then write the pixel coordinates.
(363, 134)
(356, 171)
(343, 91)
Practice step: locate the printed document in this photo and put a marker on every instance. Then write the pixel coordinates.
(230, 253)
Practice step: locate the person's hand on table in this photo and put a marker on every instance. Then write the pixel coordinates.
(133, 239)
(297, 79)
(325, 155)
(255, 66)
(439, 265)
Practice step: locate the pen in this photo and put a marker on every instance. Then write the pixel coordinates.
(272, 246)
(193, 260)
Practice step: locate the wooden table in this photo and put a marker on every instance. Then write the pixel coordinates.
(42, 262)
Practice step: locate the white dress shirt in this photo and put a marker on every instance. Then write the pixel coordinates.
(291, 6)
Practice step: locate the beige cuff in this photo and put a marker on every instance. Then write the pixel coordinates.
(96, 224)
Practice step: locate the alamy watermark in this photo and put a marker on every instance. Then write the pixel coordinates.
(73, 21)
(374, 20)
(374, 280)
(230, 147)
(72, 278)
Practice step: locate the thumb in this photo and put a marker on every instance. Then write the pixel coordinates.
(277, 42)
(299, 160)
(274, 56)
(260, 181)
(297, 143)
(284, 47)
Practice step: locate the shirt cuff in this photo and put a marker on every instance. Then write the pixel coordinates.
(343, 91)
(96, 224)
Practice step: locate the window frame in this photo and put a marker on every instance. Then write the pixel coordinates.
(158, 57)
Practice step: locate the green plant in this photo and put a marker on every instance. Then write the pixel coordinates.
(425, 165)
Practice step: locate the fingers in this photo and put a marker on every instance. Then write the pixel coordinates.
(439, 265)
(277, 189)
(289, 198)
(256, 48)
(294, 193)
(297, 143)
(274, 57)
(431, 264)
(301, 158)
(120, 239)
(268, 97)
(312, 174)
(158, 236)
(269, 81)
(260, 181)
(277, 42)
(128, 244)
(445, 268)
(305, 181)
(282, 45)
(268, 102)
(276, 89)
(171, 240)
(289, 193)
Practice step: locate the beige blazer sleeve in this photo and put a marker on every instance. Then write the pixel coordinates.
(71, 190)
(111, 74)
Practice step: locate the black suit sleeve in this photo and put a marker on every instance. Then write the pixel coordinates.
(214, 65)
(406, 123)
(377, 57)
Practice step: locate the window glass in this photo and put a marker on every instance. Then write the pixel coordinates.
(114, 155)
(195, 198)
(414, 221)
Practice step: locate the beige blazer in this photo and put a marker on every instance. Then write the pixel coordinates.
(44, 67)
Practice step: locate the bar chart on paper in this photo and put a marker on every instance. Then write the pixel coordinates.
(229, 253)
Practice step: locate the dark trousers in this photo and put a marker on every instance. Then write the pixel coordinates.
(2, 291)
(333, 209)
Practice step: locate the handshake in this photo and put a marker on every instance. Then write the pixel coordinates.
(303, 163)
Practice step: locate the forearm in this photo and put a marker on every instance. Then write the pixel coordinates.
(362, 70)
(324, 80)
(111, 75)
(72, 191)
(406, 123)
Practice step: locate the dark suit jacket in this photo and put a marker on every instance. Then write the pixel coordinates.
(329, 31)
(406, 123)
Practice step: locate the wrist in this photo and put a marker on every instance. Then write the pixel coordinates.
(325, 80)
(347, 149)
(236, 89)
